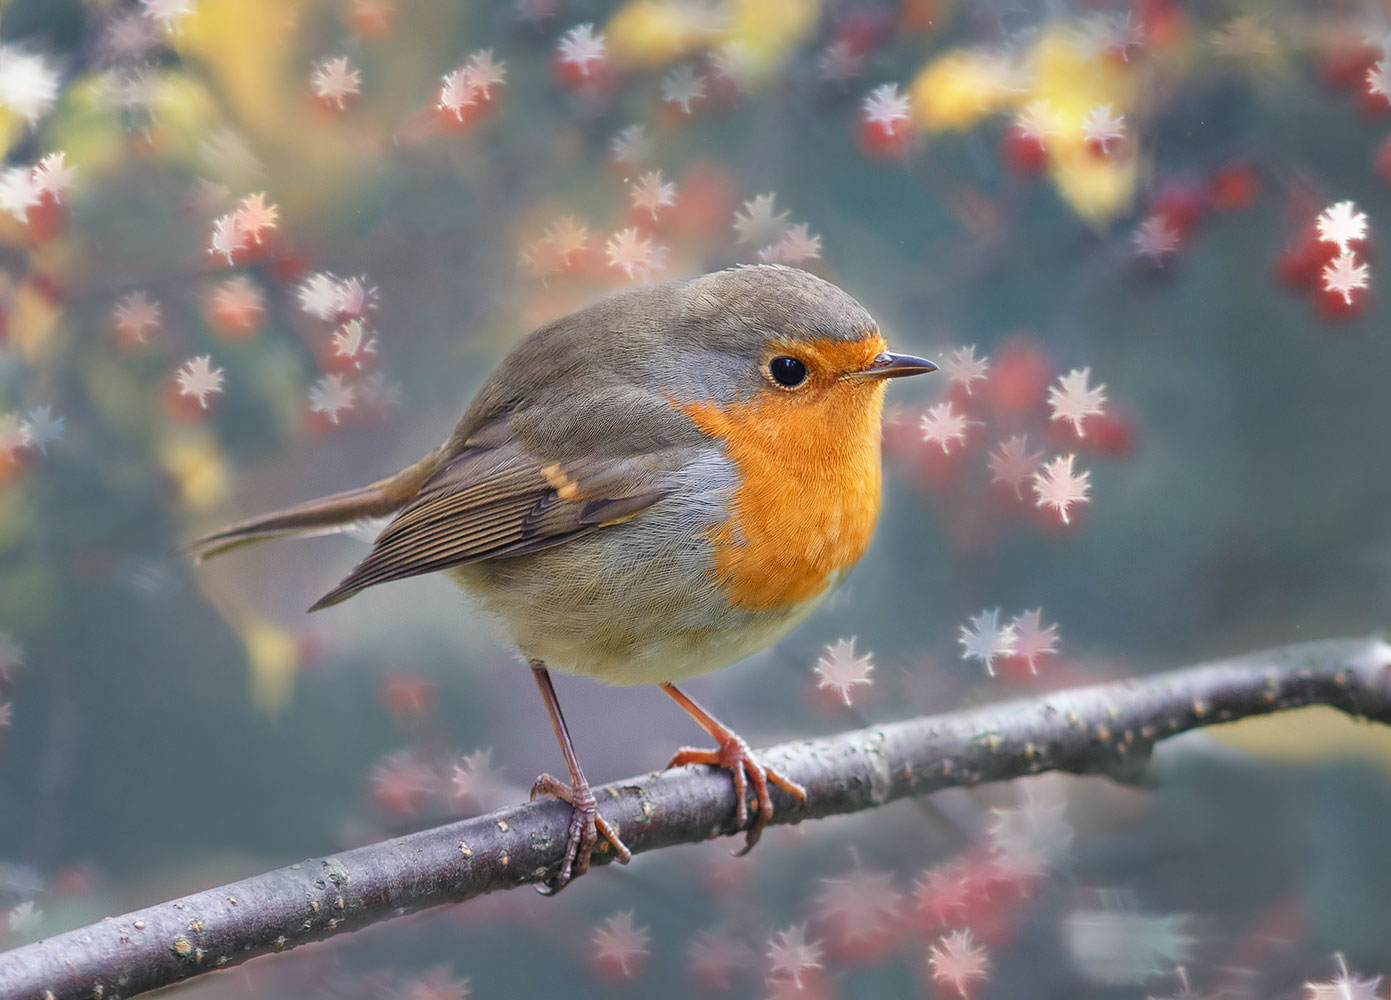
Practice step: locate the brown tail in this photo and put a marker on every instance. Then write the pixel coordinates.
(325, 514)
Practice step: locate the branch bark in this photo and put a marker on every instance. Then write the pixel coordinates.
(1105, 728)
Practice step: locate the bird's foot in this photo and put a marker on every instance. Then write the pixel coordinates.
(744, 765)
(585, 826)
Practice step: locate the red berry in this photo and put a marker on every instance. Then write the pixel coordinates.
(1019, 376)
(1108, 433)
(1024, 154)
(371, 18)
(1181, 206)
(1336, 306)
(1301, 262)
(1234, 187)
(865, 28)
(45, 220)
(1344, 67)
(1382, 163)
(883, 140)
(1162, 23)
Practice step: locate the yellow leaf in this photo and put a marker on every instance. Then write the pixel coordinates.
(273, 655)
(32, 322)
(958, 90)
(1097, 189)
(1304, 735)
(247, 46)
(763, 32)
(194, 462)
(755, 35)
(654, 32)
(1070, 82)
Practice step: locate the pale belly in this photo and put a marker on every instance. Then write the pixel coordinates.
(634, 603)
(638, 602)
(657, 622)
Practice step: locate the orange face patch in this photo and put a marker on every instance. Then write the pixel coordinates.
(809, 476)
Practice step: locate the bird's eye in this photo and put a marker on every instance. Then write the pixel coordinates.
(787, 371)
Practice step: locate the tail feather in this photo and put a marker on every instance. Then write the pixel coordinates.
(324, 515)
(313, 517)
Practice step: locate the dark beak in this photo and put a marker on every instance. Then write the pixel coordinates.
(889, 365)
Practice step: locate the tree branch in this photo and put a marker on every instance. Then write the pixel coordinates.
(1106, 728)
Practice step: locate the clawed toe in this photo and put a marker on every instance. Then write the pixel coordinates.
(586, 825)
(745, 768)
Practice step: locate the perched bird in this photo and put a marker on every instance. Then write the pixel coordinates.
(647, 489)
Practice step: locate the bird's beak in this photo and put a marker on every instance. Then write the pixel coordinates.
(890, 365)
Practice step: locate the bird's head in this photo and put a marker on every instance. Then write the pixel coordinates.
(785, 342)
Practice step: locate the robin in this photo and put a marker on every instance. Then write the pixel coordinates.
(647, 489)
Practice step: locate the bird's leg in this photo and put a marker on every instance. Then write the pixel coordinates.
(585, 824)
(733, 754)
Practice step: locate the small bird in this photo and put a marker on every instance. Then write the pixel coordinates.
(647, 489)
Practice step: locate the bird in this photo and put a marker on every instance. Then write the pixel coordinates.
(647, 489)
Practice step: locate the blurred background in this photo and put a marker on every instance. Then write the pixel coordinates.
(252, 251)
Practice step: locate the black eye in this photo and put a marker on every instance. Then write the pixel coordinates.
(787, 371)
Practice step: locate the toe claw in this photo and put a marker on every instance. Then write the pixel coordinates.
(586, 826)
(611, 839)
(745, 768)
(787, 785)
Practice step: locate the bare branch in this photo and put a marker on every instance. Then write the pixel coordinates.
(1107, 728)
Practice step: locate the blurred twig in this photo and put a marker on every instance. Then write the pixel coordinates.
(1107, 729)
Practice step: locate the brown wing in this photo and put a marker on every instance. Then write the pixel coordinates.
(495, 500)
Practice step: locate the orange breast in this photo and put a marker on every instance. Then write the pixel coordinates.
(810, 480)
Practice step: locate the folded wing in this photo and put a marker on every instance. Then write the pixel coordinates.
(494, 500)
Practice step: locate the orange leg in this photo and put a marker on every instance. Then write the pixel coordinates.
(734, 755)
(586, 824)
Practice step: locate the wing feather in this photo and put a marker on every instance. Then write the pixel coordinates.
(496, 501)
